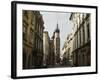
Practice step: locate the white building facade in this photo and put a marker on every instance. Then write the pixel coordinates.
(67, 51)
(81, 39)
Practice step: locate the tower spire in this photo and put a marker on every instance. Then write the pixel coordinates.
(57, 28)
(57, 25)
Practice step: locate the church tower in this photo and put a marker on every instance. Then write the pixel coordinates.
(57, 45)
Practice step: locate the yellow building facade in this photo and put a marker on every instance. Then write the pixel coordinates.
(32, 39)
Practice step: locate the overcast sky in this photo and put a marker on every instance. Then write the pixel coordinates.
(50, 22)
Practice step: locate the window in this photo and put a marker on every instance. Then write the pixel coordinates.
(36, 42)
(33, 19)
(80, 37)
(24, 33)
(25, 13)
(77, 39)
(31, 36)
(39, 44)
(24, 58)
(88, 31)
(83, 34)
(75, 42)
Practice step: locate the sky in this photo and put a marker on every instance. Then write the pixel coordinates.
(50, 23)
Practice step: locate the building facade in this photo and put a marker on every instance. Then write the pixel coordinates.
(67, 51)
(81, 39)
(51, 48)
(32, 39)
(52, 54)
(46, 48)
(56, 39)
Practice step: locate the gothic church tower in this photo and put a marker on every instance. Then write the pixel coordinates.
(57, 45)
